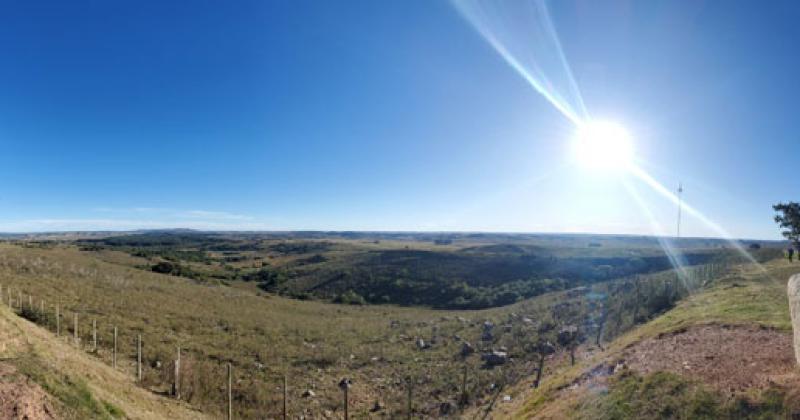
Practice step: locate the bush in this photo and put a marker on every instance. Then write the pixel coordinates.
(350, 298)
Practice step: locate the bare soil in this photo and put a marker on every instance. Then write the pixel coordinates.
(21, 398)
(731, 359)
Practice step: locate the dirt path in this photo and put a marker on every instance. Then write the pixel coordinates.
(730, 359)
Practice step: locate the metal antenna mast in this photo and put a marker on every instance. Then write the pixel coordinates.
(680, 202)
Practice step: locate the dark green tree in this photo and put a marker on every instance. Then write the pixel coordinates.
(788, 218)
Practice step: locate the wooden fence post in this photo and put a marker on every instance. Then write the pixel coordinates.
(30, 302)
(464, 400)
(75, 328)
(114, 353)
(94, 335)
(409, 407)
(344, 385)
(19, 301)
(346, 415)
(177, 387)
(139, 358)
(230, 392)
(284, 397)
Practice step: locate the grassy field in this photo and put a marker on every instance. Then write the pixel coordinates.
(77, 386)
(315, 344)
(383, 349)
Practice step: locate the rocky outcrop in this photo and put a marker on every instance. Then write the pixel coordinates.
(794, 309)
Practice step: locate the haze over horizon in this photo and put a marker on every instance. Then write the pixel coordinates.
(386, 117)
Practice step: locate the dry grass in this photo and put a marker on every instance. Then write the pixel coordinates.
(315, 344)
(82, 387)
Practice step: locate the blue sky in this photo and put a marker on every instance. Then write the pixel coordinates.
(391, 115)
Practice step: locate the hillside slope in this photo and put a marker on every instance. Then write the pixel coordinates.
(45, 377)
(725, 352)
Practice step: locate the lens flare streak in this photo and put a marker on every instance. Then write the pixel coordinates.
(655, 185)
(676, 258)
(522, 32)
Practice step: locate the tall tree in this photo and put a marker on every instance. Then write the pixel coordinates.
(788, 218)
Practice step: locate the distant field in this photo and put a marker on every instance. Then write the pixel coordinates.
(453, 271)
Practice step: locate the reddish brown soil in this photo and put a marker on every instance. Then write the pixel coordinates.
(730, 359)
(20, 398)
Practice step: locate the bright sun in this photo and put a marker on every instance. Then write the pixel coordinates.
(603, 145)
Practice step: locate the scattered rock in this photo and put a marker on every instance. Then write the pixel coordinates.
(446, 408)
(467, 349)
(377, 407)
(495, 358)
(619, 367)
(506, 398)
(422, 345)
(308, 394)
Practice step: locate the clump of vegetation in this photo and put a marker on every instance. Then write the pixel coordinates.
(666, 395)
(350, 298)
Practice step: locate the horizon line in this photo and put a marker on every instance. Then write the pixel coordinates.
(444, 232)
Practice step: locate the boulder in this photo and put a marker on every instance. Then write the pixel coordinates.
(378, 406)
(467, 349)
(446, 409)
(495, 358)
(794, 310)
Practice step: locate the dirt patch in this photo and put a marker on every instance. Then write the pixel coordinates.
(727, 358)
(21, 398)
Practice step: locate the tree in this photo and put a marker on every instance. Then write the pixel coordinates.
(570, 337)
(543, 348)
(788, 218)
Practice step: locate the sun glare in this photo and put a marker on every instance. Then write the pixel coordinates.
(603, 145)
